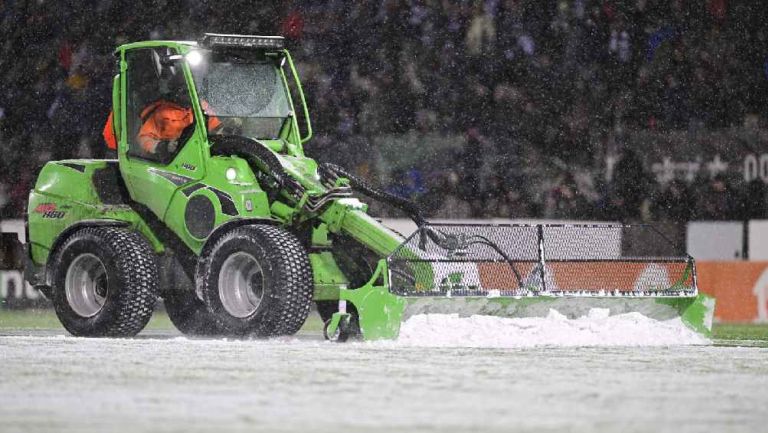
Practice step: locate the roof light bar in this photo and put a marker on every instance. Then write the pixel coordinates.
(211, 40)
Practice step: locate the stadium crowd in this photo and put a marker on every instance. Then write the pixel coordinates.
(540, 92)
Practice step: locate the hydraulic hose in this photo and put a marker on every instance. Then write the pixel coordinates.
(369, 190)
(257, 155)
(443, 240)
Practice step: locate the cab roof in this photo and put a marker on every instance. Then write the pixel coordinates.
(214, 40)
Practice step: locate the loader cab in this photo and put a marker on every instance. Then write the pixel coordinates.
(174, 100)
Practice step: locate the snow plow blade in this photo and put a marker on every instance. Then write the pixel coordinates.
(527, 270)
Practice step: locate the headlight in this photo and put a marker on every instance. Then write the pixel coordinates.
(231, 174)
(194, 58)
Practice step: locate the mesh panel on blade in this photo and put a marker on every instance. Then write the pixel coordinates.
(438, 259)
(521, 260)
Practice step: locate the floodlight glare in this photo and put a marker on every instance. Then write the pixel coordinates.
(194, 58)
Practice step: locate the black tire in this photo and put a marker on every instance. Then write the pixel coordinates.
(342, 333)
(125, 277)
(279, 280)
(190, 315)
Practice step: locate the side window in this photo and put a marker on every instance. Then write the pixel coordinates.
(159, 111)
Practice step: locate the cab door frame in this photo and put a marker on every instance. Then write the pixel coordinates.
(150, 182)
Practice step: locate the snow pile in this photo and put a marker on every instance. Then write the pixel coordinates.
(597, 328)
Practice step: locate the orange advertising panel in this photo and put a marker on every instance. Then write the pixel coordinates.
(624, 276)
(741, 289)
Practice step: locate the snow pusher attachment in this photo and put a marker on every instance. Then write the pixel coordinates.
(526, 270)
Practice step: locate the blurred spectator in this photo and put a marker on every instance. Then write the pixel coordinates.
(451, 205)
(407, 184)
(630, 189)
(676, 203)
(565, 201)
(717, 201)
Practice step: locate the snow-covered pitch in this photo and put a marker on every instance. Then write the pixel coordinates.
(598, 373)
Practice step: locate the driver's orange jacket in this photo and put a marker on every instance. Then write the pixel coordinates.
(161, 120)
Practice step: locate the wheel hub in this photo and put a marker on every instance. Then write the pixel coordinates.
(86, 285)
(241, 285)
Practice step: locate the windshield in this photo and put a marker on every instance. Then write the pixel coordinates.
(249, 98)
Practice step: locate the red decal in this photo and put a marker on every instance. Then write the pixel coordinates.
(45, 207)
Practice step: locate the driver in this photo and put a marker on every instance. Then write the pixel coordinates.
(163, 120)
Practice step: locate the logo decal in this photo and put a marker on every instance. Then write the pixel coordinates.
(45, 207)
(174, 178)
(48, 210)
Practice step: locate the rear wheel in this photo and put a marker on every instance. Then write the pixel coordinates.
(104, 282)
(257, 280)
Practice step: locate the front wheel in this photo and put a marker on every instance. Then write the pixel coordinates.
(257, 280)
(104, 282)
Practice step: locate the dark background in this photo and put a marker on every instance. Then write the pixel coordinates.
(536, 95)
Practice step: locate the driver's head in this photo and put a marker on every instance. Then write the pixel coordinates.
(172, 86)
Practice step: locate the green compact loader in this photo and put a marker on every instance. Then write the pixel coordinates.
(239, 232)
